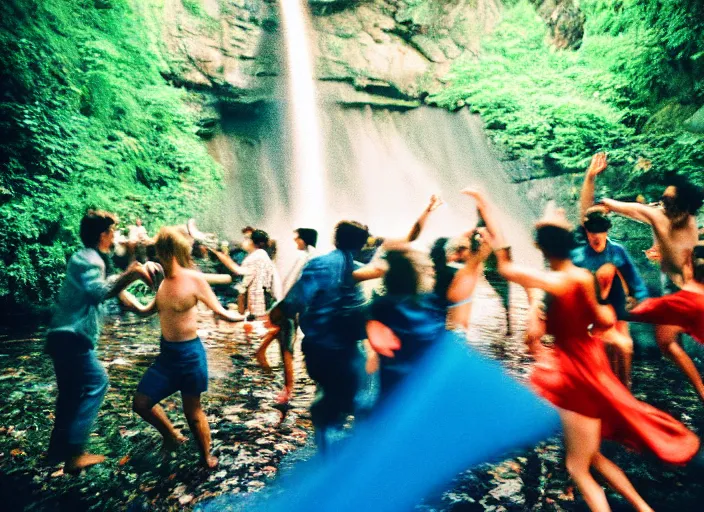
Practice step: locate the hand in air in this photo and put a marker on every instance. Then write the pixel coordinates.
(435, 202)
(476, 194)
(487, 238)
(597, 165)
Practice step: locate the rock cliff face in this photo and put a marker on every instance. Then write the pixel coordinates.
(389, 52)
(565, 20)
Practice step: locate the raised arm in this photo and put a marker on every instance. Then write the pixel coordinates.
(206, 295)
(433, 205)
(635, 211)
(586, 198)
(486, 210)
(229, 263)
(527, 277)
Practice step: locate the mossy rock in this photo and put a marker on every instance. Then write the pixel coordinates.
(671, 117)
(696, 122)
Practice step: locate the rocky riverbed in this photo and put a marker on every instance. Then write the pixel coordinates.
(254, 440)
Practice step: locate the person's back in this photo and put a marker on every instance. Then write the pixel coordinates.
(571, 314)
(336, 293)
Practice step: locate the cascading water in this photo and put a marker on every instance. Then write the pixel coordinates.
(375, 166)
(309, 203)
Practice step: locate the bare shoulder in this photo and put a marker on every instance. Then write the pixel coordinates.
(193, 274)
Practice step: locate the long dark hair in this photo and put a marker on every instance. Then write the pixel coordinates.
(443, 274)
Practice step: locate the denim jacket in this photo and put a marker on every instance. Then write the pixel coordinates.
(85, 287)
(329, 302)
(586, 257)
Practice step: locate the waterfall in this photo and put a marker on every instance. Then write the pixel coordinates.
(308, 198)
(382, 166)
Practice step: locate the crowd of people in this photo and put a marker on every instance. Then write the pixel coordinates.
(585, 297)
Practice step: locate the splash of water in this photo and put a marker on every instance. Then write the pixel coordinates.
(308, 199)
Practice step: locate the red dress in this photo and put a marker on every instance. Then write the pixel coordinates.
(575, 375)
(684, 309)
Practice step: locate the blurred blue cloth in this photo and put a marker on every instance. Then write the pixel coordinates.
(458, 410)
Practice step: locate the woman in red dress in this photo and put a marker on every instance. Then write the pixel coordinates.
(684, 309)
(576, 376)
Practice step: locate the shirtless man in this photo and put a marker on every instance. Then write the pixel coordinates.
(181, 364)
(675, 231)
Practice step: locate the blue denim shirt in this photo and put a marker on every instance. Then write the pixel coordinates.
(586, 257)
(329, 302)
(79, 309)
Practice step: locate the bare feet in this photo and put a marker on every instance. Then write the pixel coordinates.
(284, 396)
(210, 462)
(172, 444)
(80, 462)
(261, 359)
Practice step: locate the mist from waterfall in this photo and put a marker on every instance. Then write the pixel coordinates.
(382, 166)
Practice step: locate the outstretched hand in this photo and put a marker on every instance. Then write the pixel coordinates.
(155, 272)
(142, 273)
(435, 202)
(597, 165)
(474, 193)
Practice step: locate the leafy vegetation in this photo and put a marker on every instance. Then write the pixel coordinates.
(87, 120)
(636, 77)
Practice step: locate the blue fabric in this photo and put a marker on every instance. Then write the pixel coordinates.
(667, 285)
(180, 366)
(586, 257)
(85, 287)
(419, 323)
(458, 410)
(82, 382)
(328, 301)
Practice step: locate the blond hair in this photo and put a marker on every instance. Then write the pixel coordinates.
(171, 243)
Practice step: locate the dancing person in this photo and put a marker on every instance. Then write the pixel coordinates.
(675, 232)
(440, 403)
(601, 256)
(576, 376)
(73, 335)
(458, 264)
(260, 286)
(407, 320)
(329, 305)
(376, 268)
(181, 364)
(305, 240)
(684, 308)
(137, 241)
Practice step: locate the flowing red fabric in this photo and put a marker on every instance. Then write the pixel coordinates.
(683, 308)
(575, 375)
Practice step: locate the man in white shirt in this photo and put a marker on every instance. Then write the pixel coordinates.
(306, 240)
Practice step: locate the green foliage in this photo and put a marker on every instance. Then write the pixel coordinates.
(556, 108)
(193, 6)
(87, 121)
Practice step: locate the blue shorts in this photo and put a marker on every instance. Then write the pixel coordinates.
(181, 366)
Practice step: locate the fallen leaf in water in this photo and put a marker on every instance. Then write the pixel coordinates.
(60, 472)
(568, 495)
(186, 498)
